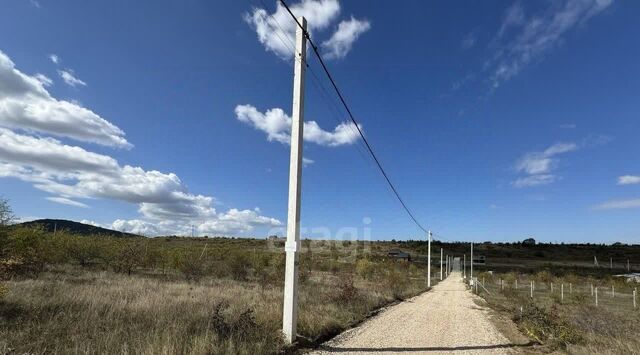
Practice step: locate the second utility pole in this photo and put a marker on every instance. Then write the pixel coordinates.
(429, 262)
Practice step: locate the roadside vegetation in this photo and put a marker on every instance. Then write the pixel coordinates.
(563, 314)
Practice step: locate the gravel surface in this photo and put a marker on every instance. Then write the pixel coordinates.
(444, 320)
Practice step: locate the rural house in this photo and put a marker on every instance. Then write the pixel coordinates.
(399, 255)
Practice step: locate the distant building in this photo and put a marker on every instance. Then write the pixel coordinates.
(399, 255)
(479, 260)
(529, 241)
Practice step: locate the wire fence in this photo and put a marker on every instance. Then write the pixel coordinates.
(613, 297)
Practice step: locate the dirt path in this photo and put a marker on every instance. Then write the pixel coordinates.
(443, 321)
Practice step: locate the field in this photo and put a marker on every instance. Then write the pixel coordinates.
(78, 294)
(562, 312)
(67, 293)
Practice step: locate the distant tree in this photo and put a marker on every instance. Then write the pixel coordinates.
(6, 213)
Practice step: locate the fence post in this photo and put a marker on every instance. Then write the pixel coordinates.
(570, 288)
(596, 296)
(613, 291)
(532, 289)
(562, 292)
(502, 284)
(552, 287)
(591, 290)
(635, 292)
(516, 282)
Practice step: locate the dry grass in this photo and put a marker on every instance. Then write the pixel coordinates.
(575, 324)
(71, 310)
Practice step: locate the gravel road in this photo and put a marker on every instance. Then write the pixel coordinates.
(444, 320)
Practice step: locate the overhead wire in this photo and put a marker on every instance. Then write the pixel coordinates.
(353, 120)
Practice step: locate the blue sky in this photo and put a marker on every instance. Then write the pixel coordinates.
(496, 120)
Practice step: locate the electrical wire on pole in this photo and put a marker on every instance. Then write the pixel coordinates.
(353, 120)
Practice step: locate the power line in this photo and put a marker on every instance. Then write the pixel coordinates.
(344, 103)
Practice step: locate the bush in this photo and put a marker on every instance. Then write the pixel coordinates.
(28, 250)
(347, 291)
(188, 264)
(3, 290)
(366, 269)
(547, 327)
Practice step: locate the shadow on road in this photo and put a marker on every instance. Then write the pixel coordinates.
(331, 349)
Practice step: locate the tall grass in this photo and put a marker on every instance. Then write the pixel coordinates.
(70, 294)
(573, 323)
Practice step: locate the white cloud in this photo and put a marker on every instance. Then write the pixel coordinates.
(537, 166)
(533, 37)
(43, 79)
(91, 223)
(71, 173)
(568, 126)
(534, 180)
(276, 31)
(69, 78)
(66, 201)
(628, 180)
(54, 58)
(277, 125)
(307, 162)
(619, 204)
(340, 43)
(137, 226)
(25, 104)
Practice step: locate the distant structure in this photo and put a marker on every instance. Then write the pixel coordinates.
(529, 241)
(398, 254)
(479, 260)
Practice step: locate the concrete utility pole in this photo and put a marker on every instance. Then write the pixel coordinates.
(441, 254)
(290, 309)
(464, 266)
(429, 261)
(471, 261)
(446, 266)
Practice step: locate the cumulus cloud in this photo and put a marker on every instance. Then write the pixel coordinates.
(619, 204)
(54, 58)
(307, 162)
(342, 40)
(276, 31)
(72, 173)
(25, 104)
(538, 166)
(277, 125)
(70, 79)
(523, 40)
(628, 180)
